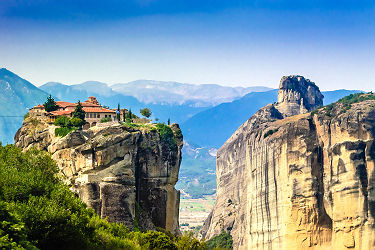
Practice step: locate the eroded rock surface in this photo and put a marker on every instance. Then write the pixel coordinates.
(298, 95)
(126, 175)
(305, 181)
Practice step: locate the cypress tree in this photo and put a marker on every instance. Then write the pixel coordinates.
(130, 115)
(79, 113)
(118, 112)
(50, 104)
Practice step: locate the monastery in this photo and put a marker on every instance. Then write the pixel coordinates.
(94, 111)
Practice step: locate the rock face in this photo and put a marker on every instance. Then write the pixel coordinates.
(305, 181)
(124, 174)
(298, 95)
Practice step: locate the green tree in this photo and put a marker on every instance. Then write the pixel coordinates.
(123, 115)
(130, 115)
(79, 113)
(76, 122)
(146, 112)
(118, 112)
(169, 121)
(50, 104)
(62, 121)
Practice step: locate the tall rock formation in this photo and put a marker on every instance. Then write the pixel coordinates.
(298, 95)
(300, 182)
(125, 174)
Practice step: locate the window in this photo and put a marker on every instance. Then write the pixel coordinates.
(105, 116)
(98, 116)
(109, 116)
(90, 115)
(87, 115)
(94, 115)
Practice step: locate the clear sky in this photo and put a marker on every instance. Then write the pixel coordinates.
(236, 43)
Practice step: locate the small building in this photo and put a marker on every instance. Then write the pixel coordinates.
(94, 111)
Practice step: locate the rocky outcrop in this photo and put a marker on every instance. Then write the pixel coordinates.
(298, 95)
(305, 181)
(125, 174)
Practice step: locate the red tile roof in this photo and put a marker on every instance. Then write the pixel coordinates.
(63, 104)
(98, 110)
(60, 112)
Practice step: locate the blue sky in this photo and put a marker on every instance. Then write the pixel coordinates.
(236, 43)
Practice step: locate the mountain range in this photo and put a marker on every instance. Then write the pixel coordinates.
(205, 126)
(17, 95)
(175, 93)
(212, 127)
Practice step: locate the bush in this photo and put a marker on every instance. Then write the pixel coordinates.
(77, 122)
(62, 121)
(166, 135)
(187, 241)
(221, 241)
(25, 116)
(270, 132)
(63, 131)
(105, 119)
(12, 231)
(38, 211)
(347, 102)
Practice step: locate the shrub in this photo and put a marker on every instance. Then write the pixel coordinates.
(38, 210)
(63, 131)
(187, 241)
(221, 241)
(105, 119)
(77, 122)
(25, 116)
(347, 102)
(270, 132)
(34, 122)
(166, 135)
(62, 121)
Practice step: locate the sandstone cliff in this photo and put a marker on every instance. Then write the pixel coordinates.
(124, 173)
(304, 181)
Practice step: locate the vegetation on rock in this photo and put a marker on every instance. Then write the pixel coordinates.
(38, 211)
(347, 102)
(166, 134)
(66, 125)
(221, 241)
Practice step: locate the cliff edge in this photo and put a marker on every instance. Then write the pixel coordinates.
(289, 179)
(125, 173)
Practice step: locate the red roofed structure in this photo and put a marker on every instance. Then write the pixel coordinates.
(94, 111)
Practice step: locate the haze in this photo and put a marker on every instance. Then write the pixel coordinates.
(234, 44)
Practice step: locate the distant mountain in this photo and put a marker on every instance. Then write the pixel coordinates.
(212, 127)
(203, 95)
(16, 96)
(106, 96)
